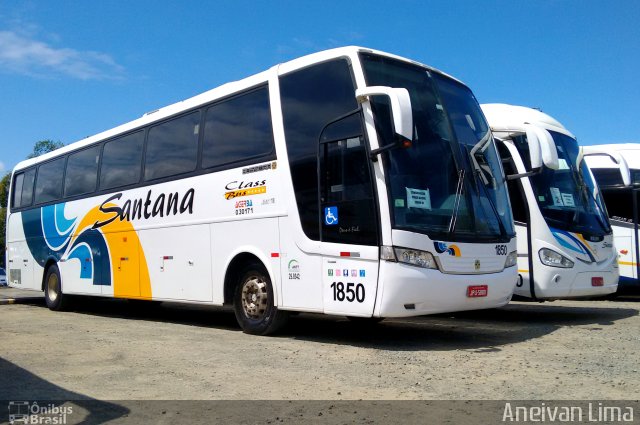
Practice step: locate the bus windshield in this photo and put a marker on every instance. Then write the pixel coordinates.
(449, 184)
(567, 197)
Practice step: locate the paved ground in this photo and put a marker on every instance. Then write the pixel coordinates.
(118, 350)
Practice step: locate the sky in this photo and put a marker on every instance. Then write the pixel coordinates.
(73, 68)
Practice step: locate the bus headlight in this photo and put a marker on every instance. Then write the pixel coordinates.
(414, 257)
(553, 259)
(512, 259)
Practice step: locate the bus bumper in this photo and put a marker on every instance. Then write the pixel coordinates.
(554, 283)
(406, 290)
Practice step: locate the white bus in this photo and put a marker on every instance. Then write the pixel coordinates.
(345, 182)
(621, 195)
(565, 243)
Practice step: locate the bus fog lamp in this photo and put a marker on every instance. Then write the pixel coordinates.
(551, 258)
(512, 259)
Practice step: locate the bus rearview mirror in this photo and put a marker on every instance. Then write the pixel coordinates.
(400, 101)
(625, 173)
(542, 148)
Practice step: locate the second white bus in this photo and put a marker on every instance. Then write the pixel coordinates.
(565, 242)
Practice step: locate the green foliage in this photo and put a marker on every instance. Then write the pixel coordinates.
(3, 218)
(4, 190)
(4, 193)
(44, 146)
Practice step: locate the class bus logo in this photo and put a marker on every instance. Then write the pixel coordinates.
(237, 189)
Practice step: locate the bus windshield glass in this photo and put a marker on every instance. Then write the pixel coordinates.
(567, 197)
(449, 184)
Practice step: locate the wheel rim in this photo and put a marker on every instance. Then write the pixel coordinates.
(254, 297)
(52, 287)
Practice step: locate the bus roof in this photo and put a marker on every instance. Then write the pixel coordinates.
(214, 94)
(509, 118)
(629, 151)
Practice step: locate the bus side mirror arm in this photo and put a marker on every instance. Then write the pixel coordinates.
(521, 175)
(375, 152)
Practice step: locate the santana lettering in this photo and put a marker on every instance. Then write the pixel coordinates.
(164, 204)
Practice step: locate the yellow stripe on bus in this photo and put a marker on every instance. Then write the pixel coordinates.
(129, 270)
(627, 263)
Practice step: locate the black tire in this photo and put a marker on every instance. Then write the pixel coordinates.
(253, 302)
(53, 295)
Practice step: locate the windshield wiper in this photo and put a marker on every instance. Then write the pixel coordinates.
(480, 176)
(503, 230)
(481, 146)
(456, 203)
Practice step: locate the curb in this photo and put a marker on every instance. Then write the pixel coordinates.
(24, 300)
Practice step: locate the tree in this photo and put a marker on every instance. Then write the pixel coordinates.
(4, 190)
(3, 217)
(44, 146)
(4, 194)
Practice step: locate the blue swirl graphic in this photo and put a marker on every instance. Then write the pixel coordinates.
(48, 234)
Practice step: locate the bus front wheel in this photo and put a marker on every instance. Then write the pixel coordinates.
(253, 302)
(53, 295)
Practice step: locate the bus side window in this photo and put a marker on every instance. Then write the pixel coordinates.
(82, 172)
(16, 195)
(607, 177)
(27, 187)
(516, 192)
(49, 181)
(172, 147)
(121, 161)
(238, 129)
(619, 202)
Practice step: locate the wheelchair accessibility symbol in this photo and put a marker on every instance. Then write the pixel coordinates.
(331, 216)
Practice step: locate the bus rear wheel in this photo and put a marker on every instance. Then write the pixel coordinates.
(53, 295)
(253, 302)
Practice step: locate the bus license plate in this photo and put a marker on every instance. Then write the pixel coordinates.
(597, 281)
(476, 291)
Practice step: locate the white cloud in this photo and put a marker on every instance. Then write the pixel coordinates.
(23, 55)
(1, 167)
